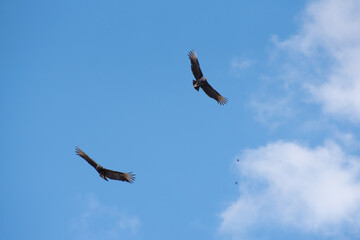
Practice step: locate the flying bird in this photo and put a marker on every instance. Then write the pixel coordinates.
(106, 173)
(201, 81)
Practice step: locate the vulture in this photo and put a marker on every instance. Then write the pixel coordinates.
(106, 173)
(201, 81)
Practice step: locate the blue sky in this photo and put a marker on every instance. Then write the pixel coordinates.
(113, 78)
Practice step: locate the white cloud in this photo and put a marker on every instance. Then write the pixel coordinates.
(100, 221)
(289, 186)
(316, 190)
(328, 49)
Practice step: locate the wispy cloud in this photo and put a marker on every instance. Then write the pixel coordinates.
(287, 184)
(271, 112)
(348, 140)
(99, 221)
(240, 64)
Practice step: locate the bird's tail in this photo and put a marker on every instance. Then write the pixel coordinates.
(196, 86)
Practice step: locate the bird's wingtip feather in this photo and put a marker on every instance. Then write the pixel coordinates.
(130, 177)
(77, 150)
(192, 54)
(222, 100)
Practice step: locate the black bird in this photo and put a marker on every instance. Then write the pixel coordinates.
(106, 173)
(201, 81)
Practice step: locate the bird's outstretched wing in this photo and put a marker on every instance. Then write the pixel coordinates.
(195, 66)
(126, 177)
(79, 152)
(211, 92)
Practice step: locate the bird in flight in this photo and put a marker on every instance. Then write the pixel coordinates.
(106, 173)
(201, 81)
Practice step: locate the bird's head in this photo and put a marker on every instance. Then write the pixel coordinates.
(196, 85)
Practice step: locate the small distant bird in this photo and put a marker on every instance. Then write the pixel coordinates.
(201, 81)
(106, 173)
